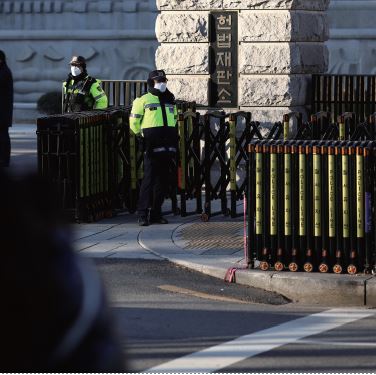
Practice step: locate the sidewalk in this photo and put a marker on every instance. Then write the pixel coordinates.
(213, 248)
(23, 129)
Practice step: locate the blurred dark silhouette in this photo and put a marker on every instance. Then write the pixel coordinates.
(54, 316)
(6, 109)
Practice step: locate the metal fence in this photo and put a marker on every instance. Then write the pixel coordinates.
(338, 94)
(82, 155)
(120, 93)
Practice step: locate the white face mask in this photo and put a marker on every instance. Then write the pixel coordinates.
(75, 70)
(161, 86)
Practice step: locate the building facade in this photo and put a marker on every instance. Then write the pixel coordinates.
(118, 38)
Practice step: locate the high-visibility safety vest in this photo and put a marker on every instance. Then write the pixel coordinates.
(148, 112)
(83, 95)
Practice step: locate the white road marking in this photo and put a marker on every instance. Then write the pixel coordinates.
(339, 343)
(221, 356)
(193, 293)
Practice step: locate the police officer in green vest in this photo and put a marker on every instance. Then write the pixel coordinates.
(154, 118)
(82, 92)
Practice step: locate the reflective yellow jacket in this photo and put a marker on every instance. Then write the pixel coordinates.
(154, 116)
(83, 95)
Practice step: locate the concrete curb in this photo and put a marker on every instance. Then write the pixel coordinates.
(305, 288)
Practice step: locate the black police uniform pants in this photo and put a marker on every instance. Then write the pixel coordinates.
(158, 174)
(4, 147)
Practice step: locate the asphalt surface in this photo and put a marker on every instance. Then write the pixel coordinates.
(165, 312)
(171, 319)
(212, 248)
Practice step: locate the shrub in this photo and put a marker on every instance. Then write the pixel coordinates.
(50, 103)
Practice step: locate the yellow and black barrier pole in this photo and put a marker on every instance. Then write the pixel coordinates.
(287, 198)
(323, 253)
(265, 257)
(360, 211)
(302, 202)
(294, 258)
(273, 213)
(338, 258)
(309, 253)
(279, 261)
(345, 205)
(252, 253)
(352, 262)
(332, 186)
(314, 208)
(259, 202)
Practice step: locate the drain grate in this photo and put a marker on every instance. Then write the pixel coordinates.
(212, 235)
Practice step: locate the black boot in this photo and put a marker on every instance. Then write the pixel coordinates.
(144, 219)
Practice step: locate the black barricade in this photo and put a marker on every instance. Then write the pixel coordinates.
(213, 159)
(312, 205)
(85, 156)
(93, 157)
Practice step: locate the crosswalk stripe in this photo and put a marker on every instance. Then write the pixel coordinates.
(221, 356)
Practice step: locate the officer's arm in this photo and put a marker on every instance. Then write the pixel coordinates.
(99, 96)
(175, 113)
(135, 118)
(65, 87)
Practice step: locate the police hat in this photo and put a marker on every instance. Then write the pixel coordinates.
(78, 60)
(158, 75)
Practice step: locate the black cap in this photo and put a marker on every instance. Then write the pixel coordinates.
(158, 75)
(2, 55)
(78, 60)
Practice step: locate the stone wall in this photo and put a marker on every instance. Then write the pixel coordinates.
(39, 38)
(281, 43)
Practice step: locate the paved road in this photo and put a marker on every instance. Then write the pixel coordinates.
(172, 319)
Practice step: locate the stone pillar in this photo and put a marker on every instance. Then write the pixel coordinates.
(281, 43)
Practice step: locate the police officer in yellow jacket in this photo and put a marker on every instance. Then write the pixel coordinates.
(153, 117)
(82, 92)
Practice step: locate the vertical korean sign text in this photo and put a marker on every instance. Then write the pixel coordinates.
(224, 59)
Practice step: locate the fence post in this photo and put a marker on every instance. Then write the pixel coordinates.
(286, 127)
(293, 262)
(264, 264)
(279, 263)
(345, 204)
(232, 131)
(302, 201)
(359, 175)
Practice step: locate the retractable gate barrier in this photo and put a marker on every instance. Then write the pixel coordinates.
(83, 155)
(312, 205)
(213, 159)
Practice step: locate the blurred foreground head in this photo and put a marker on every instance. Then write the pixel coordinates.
(54, 317)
